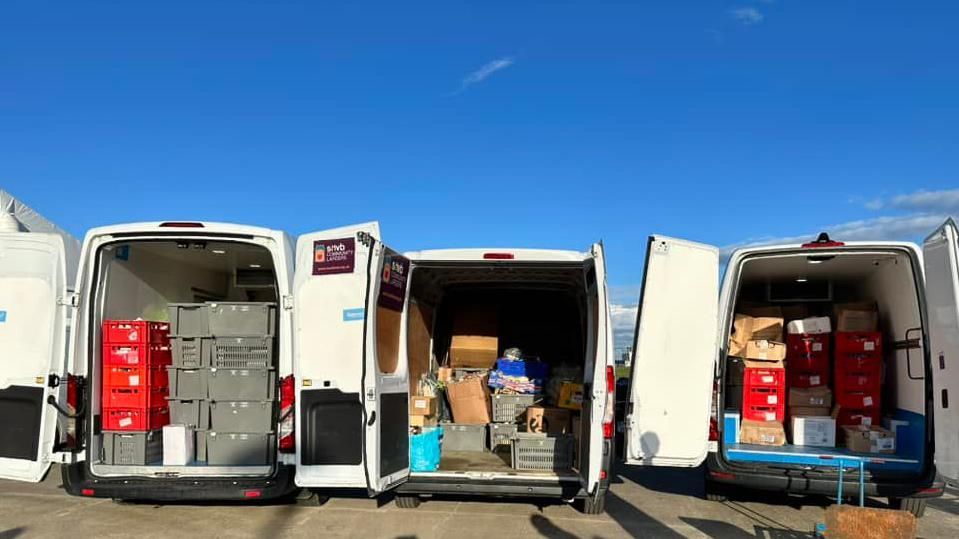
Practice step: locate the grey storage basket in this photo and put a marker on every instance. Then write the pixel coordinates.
(188, 384)
(132, 448)
(501, 435)
(195, 413)
(532, 451)
(240, 448)
(510, 408)
(241, 416)
(242, 353)
(242, 384)
(191, 352)
(222, 319)
(458, 437)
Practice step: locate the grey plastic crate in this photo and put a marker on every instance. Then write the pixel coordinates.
(232, 319)
(242, 384)
(191, 352)
(242, 353)
(200, 444)
(241, 416)
(189, 319)
(195, 413)
(501, 435)
(458, 437)
(189, 384)
(510, 408)
(132, 448)
(240, 449)
(541, 452)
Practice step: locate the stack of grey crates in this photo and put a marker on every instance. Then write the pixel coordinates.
(508, 411)
(223, 381)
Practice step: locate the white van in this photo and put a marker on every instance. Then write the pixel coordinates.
(128, 272)
(357, 320)
(678, 385)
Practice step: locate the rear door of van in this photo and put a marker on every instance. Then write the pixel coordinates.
(33, 326)
(597, 415)
(352, 384)
(941, 262)
(675, 350)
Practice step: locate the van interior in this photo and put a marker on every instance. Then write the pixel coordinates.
(138, 280)
(810, 285)
(542, 309)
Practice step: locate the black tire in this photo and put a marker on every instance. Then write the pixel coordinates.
(716, 492)
(916, 506)
(307, 498)
(593, 505)
(408, 502)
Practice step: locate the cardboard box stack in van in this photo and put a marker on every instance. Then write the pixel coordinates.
(423, 411)
(759, 393)
(134, 390)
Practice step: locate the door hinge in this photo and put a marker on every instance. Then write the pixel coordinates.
(364, 238)
(70, 300)
(288, 303)
(53, 380)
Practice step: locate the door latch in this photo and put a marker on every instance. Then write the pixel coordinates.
(53, 380)
(288, 303)
(70, 300)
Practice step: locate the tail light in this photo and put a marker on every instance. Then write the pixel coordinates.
(287, 423)
(74, 396)
(498, 256)
(713, 430)
(822, 241)
(181, 224)
(609, 417)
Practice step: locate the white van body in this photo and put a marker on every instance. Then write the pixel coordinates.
(352, 414)
(681, 344)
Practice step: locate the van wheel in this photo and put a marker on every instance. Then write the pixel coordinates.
(716, 492)
(408, 502)
(593, 505)
(916, 506)
(307, 498)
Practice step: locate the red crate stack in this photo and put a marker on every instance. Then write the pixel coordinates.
(858, 377)
(764, 394)
(135, 380)
(807, 360)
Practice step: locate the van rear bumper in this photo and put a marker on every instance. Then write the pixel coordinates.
(78, 482)
(562, 489)
(925, 486)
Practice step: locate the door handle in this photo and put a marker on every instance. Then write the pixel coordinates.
(372, 419)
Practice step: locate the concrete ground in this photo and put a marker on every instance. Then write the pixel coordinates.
(642, 503)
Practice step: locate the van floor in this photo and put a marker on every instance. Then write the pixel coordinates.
(827, 457)
(489, 462)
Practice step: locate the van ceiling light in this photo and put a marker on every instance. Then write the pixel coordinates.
(498, 256)
(181, 224)
(218, 251)
(818, 259)
(801, 279)
(255, 266)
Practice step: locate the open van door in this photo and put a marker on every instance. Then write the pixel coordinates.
(33, 326)
(350, 295)
(941, 255)
(674, 355)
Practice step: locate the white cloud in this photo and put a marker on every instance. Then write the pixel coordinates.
(946, 201)
(747, 15)
(485, 71)
(624, 323)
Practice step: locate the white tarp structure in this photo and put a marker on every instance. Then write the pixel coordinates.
(15, 216)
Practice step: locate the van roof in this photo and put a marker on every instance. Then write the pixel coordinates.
(498, 254)
(799, 247)
(191, 227)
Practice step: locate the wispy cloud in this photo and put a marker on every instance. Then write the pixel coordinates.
(485, 72)
(946, 201)
(747, 15)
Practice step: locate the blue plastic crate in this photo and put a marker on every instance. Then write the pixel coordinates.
(522, 367)
(425, 450)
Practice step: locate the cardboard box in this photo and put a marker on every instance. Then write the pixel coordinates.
(869, 439)
(816, 325)
(856, 317)
(547, 419)
(470, 401)
(810, 411)
(760, 310)
(475, 341)
(178, 447)
(762, 433)
(570, 396)
(765, 350)
(752, 328)
(817, 431)
(425, 406)
(423, 421)
(810, 396)
(444, 374)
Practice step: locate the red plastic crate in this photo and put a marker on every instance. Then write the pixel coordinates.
(137, 355)
(124, 376)
(135, 397)
(851, 416)
(765, 413)
(762, 377)
(808, 363)
(810, 378)
(857, 362)
(136, 331)
(854, 342)
(865, 380)
(803, 345)
(858, 400)
(764, 396)
(135, 419)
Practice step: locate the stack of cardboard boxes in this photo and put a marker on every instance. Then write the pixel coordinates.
(757, 340)
(810, 399)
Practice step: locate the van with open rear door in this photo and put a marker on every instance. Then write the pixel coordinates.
(228, 383)
(370, 322)
(686, 396)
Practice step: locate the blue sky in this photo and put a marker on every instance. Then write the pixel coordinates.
(547, 124)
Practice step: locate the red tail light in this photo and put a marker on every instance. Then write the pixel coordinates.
(181, 224)
(287, 423)
(88, 492)
(251, 494)
(713, 430)
(73, 393)
(822, 241)
(609, 417)
(498, 256)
